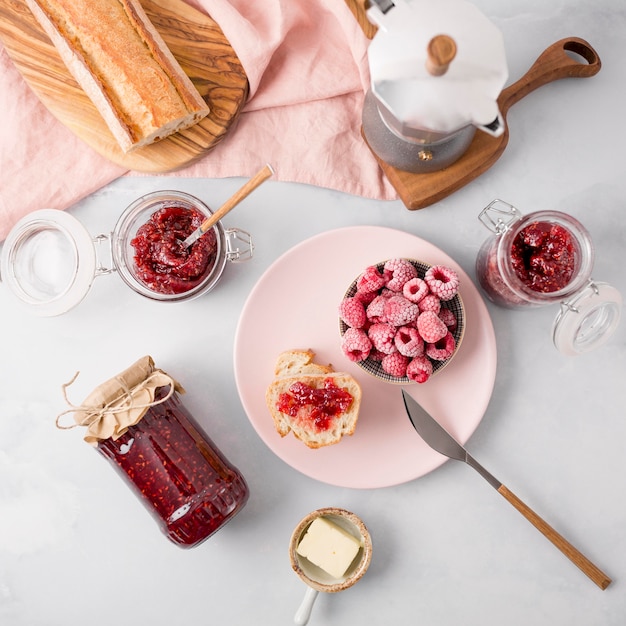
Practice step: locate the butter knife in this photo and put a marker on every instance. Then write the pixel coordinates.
(440, 440)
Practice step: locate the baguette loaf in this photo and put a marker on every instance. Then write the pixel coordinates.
(124, 66)
(317, 422)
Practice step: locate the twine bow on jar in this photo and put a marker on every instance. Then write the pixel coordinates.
(119, 403)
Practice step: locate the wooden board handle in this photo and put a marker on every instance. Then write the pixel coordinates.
(581, 561)
(553, 64)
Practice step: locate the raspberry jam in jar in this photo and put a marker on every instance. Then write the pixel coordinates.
(543, 258)
(49, 260)
(149, 255)
(162, 262)
(534, 260)
(154, 443)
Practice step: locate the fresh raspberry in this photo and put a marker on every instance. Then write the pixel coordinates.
(442, 281)
(420, 369)
(441, 350)
(367, 325)
(376, 355)
(399, 311)
(370, 280)
(430, 327)
(430, 302)
(415, 289)
(398, 272)
(395, 364)
(364, 297)
(397, 319)
(356, 344)
(352, 312)
(375, 309)
(448, 318)
(408, 341)
(381, 336)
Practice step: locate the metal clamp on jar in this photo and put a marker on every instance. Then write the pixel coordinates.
(543, 258)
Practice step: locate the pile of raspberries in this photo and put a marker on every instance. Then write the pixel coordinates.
(396, 317)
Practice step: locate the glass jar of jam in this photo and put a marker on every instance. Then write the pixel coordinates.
(148, 251)
(543, 258)
(49, 260)
(139, 424)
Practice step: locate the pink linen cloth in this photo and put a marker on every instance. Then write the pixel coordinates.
(306, 62)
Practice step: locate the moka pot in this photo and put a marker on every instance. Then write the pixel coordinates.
(436, 71)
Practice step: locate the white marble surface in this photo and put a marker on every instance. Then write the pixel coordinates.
(76, 547)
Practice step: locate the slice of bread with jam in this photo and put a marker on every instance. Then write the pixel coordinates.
(318, 405)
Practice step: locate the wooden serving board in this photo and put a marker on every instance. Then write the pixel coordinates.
(571, 57)
(195, 40)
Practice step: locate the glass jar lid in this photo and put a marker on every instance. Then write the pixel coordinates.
(49, 261)
(588, 319)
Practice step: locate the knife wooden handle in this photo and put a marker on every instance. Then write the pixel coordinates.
(581, 561)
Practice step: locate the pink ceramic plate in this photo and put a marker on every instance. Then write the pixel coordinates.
(294, 306)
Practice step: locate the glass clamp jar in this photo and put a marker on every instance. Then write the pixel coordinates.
(138, 423)
(543, 258)
(49, 260)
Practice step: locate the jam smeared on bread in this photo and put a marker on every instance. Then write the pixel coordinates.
(318, 405)
(314, 407)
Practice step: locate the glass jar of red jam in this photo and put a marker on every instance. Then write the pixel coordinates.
(543, 258)
(168, 461)
(178, 473)
(49, 260)
(148, 251)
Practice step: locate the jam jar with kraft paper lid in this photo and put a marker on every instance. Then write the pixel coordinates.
(137, 422)
(543, 258)
(49, 260)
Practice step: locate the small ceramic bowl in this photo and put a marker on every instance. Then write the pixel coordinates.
(373, 366)
(314, 576)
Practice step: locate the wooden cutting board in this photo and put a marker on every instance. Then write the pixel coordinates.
(571, 57)
(359, 10)
(195, 40)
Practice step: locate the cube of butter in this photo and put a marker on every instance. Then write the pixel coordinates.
(328, 546)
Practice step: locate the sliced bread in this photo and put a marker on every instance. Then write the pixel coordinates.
(323, 417)
(299, 362)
